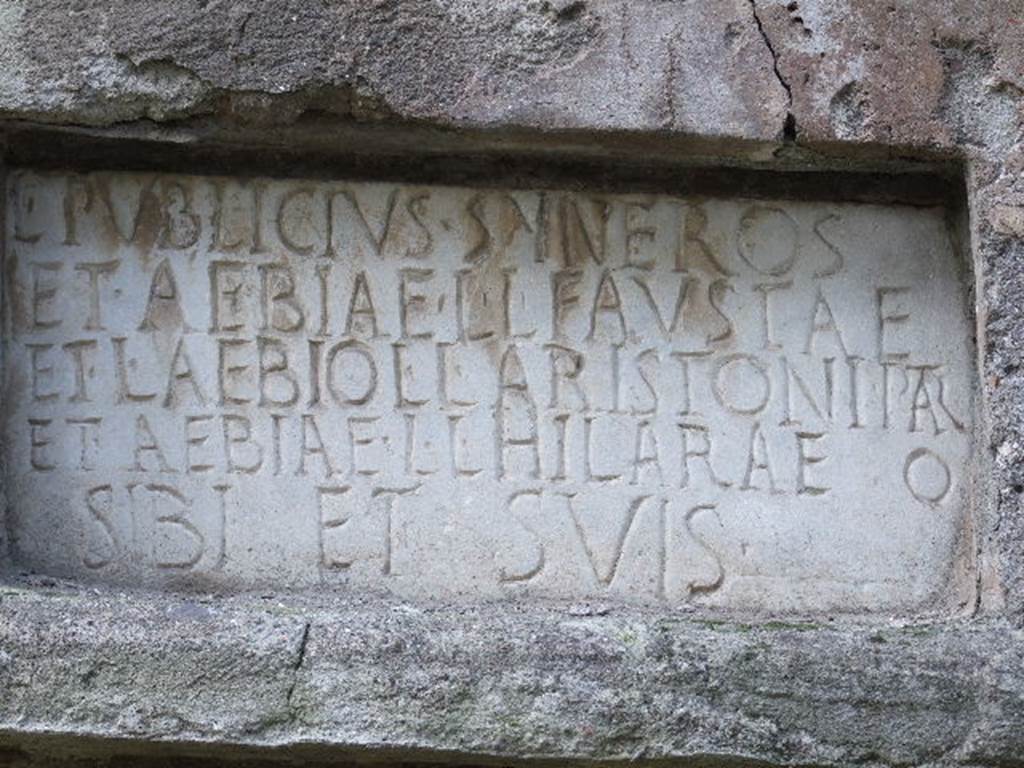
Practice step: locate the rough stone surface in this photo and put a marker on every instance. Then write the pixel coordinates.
(773, 85)
(578, 683)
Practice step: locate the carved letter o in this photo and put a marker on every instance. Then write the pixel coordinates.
(925, 488)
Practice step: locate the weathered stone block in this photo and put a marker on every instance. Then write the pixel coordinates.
(173, 587)
(442, 392)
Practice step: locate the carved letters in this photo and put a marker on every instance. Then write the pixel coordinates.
(450, 391)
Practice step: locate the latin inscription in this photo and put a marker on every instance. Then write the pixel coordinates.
(443, 392)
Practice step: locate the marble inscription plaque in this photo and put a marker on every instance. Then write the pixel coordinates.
(444, 392)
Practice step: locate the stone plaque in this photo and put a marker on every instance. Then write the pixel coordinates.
(444, 392)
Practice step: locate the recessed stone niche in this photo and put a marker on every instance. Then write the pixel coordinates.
(452, 393)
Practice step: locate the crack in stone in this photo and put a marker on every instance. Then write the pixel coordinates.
(300, 657)
(789, 122)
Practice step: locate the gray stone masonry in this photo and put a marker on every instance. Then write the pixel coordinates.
(849, 590)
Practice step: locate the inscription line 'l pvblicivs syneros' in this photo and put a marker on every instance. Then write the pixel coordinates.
(732, 355)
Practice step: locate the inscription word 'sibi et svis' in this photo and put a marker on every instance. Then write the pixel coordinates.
(482, 392)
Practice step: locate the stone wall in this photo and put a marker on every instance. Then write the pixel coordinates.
(880, 615)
